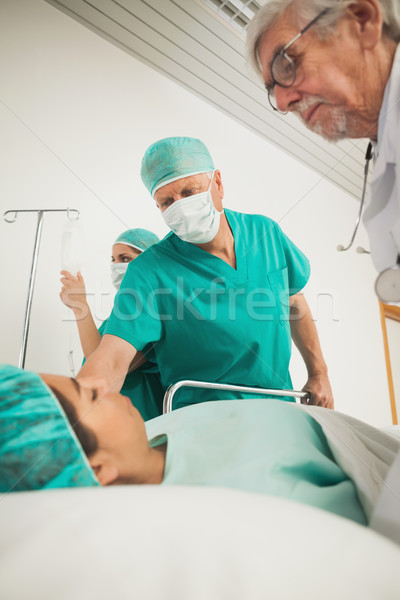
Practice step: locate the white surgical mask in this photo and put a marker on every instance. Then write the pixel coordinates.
(194, 219)
(118, 271)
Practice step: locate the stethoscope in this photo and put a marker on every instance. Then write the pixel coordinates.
(387, 284)
(368, 157)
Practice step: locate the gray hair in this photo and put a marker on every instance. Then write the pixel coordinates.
(306, 10)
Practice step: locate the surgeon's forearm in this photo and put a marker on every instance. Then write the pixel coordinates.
(109, 362)
(88, 334)
(305, 335)
(101, 367)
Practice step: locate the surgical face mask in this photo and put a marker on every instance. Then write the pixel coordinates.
(118, 271)
(194, 219)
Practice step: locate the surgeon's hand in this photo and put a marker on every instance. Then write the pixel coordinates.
(73, 292)
(319, 388)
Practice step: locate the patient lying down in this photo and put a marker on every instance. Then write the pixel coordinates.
(265, 446)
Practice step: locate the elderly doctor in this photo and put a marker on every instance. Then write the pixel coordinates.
(336, 65)
(215, 296)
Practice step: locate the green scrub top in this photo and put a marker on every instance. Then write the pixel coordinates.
(143, 386)
(263, 446)
(209, 321)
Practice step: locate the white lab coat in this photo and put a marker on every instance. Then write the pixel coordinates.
(382, 215)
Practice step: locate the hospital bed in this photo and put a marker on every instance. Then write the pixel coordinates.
(186, 543)
(209, 385)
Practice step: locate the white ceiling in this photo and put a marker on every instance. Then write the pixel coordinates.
(189, 42)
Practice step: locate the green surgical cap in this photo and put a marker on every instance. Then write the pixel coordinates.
(137, 238)
(172, 158)
(38, 448)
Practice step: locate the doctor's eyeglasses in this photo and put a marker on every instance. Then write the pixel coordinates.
(283, 68)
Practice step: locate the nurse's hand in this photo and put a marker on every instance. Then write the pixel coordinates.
(73, 293)
(320, 391)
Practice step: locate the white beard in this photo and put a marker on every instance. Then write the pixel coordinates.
(333, 129)
(337, 129)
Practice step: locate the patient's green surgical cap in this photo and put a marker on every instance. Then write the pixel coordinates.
(172, 158)
(38, 448)
(137, 238)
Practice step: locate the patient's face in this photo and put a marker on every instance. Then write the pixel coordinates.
(112, 417)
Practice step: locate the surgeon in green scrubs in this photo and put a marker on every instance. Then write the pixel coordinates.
(219, 297)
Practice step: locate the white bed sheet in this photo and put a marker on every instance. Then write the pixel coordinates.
(186, 543)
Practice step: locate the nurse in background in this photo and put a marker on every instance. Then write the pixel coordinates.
(142, 385)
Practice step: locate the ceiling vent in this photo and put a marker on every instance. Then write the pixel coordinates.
(238, 13)
(200, 44)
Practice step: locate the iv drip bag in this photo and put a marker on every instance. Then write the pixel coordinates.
(72, 247)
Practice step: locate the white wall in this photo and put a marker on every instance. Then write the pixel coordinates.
(76, 114)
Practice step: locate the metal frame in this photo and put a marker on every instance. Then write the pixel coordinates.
(172, 389)
(40, 212)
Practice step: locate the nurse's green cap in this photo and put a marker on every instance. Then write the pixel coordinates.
(172, 158)
(141, 239)
(38, 447)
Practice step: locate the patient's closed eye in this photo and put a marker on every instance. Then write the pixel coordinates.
(78, 387)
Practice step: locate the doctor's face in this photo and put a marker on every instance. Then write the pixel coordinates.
(189, 186)
(332, 92)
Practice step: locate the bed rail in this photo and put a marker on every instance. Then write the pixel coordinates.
(172, 389)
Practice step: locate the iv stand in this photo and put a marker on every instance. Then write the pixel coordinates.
(40, 212)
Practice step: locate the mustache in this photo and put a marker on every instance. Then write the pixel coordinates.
(305, 104)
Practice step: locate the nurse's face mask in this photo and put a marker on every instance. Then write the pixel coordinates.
(194, 219)
(118, 271)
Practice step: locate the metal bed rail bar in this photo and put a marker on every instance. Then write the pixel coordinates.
(172, 389)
